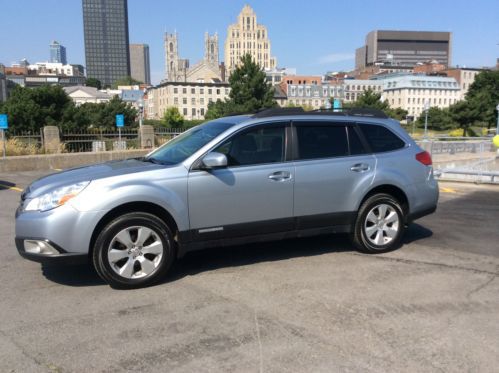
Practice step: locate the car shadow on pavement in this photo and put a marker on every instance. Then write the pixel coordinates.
(232, 256)
(72, 275)
(235, 256)
(416, 232)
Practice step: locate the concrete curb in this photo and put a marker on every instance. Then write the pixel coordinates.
(64, 160)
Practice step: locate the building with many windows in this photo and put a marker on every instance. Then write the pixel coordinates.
(274, 76)
(191, 98)
(353, 88)
(140, 68)
(247, 36)
(107, 54)
(411, 92)
(309, 91)
(58, 53)
(55, 68)
(405, 48)
(464, 77)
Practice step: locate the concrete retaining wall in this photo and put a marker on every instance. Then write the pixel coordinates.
(64, 160)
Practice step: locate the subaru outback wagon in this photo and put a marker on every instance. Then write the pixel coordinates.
(274, 175)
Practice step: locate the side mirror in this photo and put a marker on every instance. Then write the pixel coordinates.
(214, 160)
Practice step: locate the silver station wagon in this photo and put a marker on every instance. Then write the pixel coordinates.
(277, 174)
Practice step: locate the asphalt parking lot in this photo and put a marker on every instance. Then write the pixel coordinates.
(307, 305)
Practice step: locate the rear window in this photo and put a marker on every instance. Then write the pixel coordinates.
(380, 138)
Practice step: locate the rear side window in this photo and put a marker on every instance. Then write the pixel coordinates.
(380, 138)
(321, 141)
(356, 146)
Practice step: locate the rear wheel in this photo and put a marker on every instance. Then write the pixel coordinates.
(134, 250)
(380, 224)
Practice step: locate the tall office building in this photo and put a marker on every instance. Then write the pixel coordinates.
(107, 54)
(139, 63)
(58, 53)
(406, 48)
(247, 36)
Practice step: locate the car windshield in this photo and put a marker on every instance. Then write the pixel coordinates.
(186, 144)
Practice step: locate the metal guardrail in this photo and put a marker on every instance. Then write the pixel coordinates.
(29, 138)
(467, 159)
(99, 140)
(102, 140)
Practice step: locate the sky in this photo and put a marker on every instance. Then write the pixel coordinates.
(313, 36)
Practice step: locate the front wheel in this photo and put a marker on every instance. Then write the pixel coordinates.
(133, 250)
(380, 224)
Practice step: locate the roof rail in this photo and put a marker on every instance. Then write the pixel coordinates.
(367, 112)
(274, 112)
(357, 112)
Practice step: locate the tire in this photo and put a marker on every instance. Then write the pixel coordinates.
(133, 251)
(379, 226)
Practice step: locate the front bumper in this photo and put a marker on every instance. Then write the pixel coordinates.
(62, 257)
(69, 229)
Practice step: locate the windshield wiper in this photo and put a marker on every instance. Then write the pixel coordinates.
(151, 160)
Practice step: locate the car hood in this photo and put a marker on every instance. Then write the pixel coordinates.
(89, 173)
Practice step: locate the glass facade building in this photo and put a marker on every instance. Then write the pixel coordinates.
(105, 24)
(58, 53)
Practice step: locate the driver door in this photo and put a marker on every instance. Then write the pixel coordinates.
(252, 195)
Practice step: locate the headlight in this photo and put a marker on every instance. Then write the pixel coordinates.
(57, 197)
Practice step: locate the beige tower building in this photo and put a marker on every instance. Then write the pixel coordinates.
(179, 70)
(247, 36)
(175, 67)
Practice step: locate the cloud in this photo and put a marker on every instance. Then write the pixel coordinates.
(335, 57)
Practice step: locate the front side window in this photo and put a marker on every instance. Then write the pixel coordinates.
(317, 140)
(380, 138)
(257, 146)
(186, 144)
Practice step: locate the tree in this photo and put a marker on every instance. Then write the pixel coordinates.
(483, 95)
(126, 80)
(93, 82)
(173, 118)
(438, 119)
(372, 100)
(221, 108)
(30, 109)
(101, 115)
(249, 93)
(465, 114)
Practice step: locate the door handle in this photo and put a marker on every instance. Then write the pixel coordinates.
(360, 167)
(280, 176)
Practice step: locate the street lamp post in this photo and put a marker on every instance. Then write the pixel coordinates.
(426, 108)
(141, 111)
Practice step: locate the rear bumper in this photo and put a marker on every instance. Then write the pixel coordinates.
(419, 214)
(62, 258)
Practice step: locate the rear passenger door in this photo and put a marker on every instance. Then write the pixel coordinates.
(333, 169)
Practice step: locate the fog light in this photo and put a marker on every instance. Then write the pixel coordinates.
(39, 247)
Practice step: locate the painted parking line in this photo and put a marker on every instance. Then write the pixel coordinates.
(2, 186)
(447, 190)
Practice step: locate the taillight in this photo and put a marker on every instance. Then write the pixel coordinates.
(424, 158)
